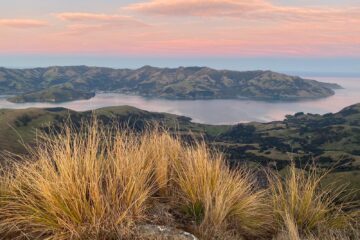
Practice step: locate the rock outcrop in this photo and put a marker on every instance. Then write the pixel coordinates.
(156, 232)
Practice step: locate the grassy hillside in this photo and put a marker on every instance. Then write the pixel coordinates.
(327, 137)
(52, 94)
(20, 126)
(178, 83)
(329, 140)
(90, 182)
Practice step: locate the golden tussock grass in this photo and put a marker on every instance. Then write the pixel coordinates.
(77, 186)
(220, 199)
(98, 183)
(304, 207)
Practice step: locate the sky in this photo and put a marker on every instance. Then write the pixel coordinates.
(288, 35)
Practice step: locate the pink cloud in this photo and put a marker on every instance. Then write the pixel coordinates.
(207, 28)
(254, 28)
(244, 9)
(86, 23)
(99, 18)
(196, 7)
(22, 23)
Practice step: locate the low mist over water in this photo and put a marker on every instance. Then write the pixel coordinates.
(218, 111)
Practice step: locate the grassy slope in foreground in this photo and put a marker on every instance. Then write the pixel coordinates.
(72, 187)
(177, 83)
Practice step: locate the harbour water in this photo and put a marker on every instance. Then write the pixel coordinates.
(218, 111)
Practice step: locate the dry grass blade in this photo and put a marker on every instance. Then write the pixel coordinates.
(303, 206)
(218, 199)
(77, 185)
(96, 183)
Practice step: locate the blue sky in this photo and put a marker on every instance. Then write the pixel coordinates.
(309, 66)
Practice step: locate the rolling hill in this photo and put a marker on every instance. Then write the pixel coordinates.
(52, 94)
(176, 83)
(328, 140)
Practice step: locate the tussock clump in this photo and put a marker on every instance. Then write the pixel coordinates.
(96, 183)
(77, 185)
(218, 199)
(303, 207)
(91, 182)
(163, 151)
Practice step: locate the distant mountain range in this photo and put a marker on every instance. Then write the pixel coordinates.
(57, 84)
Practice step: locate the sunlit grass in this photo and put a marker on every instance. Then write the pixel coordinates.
(219, 199)
(98, 183)
(77, 185)
(304, 207)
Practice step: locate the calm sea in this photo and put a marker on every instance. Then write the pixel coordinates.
(219, 111)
